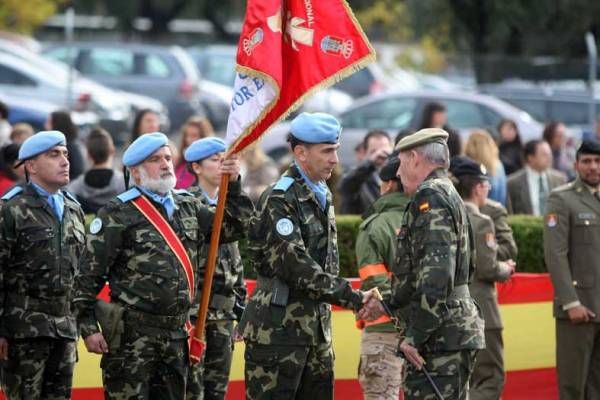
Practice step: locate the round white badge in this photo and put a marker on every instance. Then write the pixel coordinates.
(95, 226)
(284, 227)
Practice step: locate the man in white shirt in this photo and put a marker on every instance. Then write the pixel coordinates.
(529, 188)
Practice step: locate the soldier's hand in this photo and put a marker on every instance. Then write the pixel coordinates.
(3, 349)
(372, 307)
(580, 314)
(231, 166)
(412, 355)
(96, 344)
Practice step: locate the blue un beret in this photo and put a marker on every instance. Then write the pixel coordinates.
(143, 147)
(316, 128)
(203, 148)
(40, 143)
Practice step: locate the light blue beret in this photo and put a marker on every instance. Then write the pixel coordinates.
(40, 143)
(203, 148)
(143, 147)
(316, 128)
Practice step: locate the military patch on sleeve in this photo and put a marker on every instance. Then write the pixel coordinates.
(95, 226)
(424, 207)
(551, 220)
(490, 240)
(284, 227)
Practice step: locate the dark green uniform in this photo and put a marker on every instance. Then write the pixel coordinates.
(487, 380)
(149, 358)
(430, 289)
(209, 379)
(507, 247)
(571, 243)
(287, 322)
(39, 258)
(380, 369)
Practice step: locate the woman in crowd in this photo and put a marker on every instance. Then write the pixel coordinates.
(9, 176)
(61, 121)
(259, 171)
(195, 128)
(145, 121)
(482, 148)
(435, 115)
(510, 146)
(563, 152)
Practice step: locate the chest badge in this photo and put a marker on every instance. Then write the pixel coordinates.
(95, 226)
(284, 227)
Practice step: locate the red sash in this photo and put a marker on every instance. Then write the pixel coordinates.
(166, 231)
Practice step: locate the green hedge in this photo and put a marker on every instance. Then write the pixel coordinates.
(527, 230)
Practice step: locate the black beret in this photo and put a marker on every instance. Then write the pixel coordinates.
(464, 166)
(390, 169)
(589, 147)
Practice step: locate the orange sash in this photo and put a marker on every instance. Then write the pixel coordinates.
(166, 231)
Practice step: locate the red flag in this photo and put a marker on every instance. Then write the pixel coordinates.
(289, 49)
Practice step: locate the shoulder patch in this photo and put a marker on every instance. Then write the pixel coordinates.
(129, 195)
(12, 193)
(182, 192)
(424, 206)
(284, 183)
(95, 226)
(71, 197)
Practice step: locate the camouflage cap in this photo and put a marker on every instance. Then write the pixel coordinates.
(422, 137)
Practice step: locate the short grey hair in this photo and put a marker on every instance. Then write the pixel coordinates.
(436, 153)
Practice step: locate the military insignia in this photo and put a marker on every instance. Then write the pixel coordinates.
(284, 227)
(256, 37)
(483, 169)
(490, 240)
(337, 46)
(424, 207)
(95, 226)
(551, 220)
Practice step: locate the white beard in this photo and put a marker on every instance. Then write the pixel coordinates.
(163, 185)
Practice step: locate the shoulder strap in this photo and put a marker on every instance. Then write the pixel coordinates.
(284, 183)
(166, 231)
(12, 193)
(129, 195)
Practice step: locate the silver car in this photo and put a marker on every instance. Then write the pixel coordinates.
(396, 111)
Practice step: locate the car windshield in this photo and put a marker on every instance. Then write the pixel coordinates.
(219, 68)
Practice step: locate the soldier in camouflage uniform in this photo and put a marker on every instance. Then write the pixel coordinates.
(293, 245)
(443, 329)
(380, 369)
(42, 237)
(472, 184)
(209, 380)
(143, 340)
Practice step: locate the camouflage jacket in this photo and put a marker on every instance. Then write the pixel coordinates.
(39, 258)
(143, 273)
(228, 292)
(293, 241)
(433, 268)
(376, 246)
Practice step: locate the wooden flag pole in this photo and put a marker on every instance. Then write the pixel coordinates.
(198, 341)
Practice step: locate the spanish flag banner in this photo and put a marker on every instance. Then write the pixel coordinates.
(289, 49)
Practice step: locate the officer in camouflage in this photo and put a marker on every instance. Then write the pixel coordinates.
(380, 369)
(473, 186)
(42, 237)
(209, 380)
(443, 329)
(143, 339)
(293, 245)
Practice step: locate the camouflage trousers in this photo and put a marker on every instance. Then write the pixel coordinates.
(380, 368)
(39, 368)
(208, 380)
(146, 367)
(288, 372)
(450, 372)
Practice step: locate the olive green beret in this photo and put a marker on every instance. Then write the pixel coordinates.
(422, 137)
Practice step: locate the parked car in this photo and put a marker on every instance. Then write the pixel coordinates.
(112, 108)
(165, 73)
(402, 110)
(35, 112)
